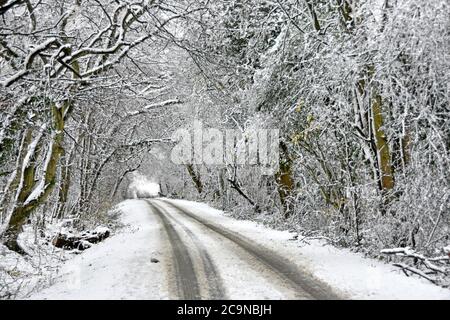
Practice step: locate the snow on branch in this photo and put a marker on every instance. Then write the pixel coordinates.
(429, 263)
(416, 271)
(29, 61)
(42, 186)
(155, 106)
(146, 142)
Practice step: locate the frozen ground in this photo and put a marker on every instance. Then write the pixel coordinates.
(121, 266)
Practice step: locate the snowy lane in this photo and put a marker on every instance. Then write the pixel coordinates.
(262, 272)
(188, 283)
(226, 258)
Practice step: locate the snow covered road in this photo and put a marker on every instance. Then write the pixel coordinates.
(234, 253)
(176, 249)
(185, 271)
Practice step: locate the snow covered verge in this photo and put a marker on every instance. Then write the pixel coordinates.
(65, 269)
(123, 266)
(20, 275)
(352, 274)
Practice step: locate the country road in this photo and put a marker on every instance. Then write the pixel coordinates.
(168, 249)
(209, 260)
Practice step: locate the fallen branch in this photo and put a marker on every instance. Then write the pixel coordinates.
(84, 241)
(405, 268)
(409, 253)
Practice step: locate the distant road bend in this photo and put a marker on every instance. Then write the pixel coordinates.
(212, 262)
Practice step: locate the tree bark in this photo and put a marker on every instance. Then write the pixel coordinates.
(25, 204)
(285, 181)
(383, 152)
(195, 178)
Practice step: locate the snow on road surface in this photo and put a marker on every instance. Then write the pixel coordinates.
(352, 274)
(246, 269)
(121, 266)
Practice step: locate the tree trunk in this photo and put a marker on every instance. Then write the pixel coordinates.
(64, 186)
(195, 178)
(34, 191)
(315, 20)
(14, 180)
(383, 153)
(285, 181)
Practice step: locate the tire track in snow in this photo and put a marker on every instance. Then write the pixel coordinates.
(299, 280)
(215, 287)
(186, 278)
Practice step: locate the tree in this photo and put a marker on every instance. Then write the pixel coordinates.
(55, 75)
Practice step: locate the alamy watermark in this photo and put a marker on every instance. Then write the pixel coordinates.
(215, 147)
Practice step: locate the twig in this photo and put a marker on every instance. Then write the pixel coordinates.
(405, 267)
